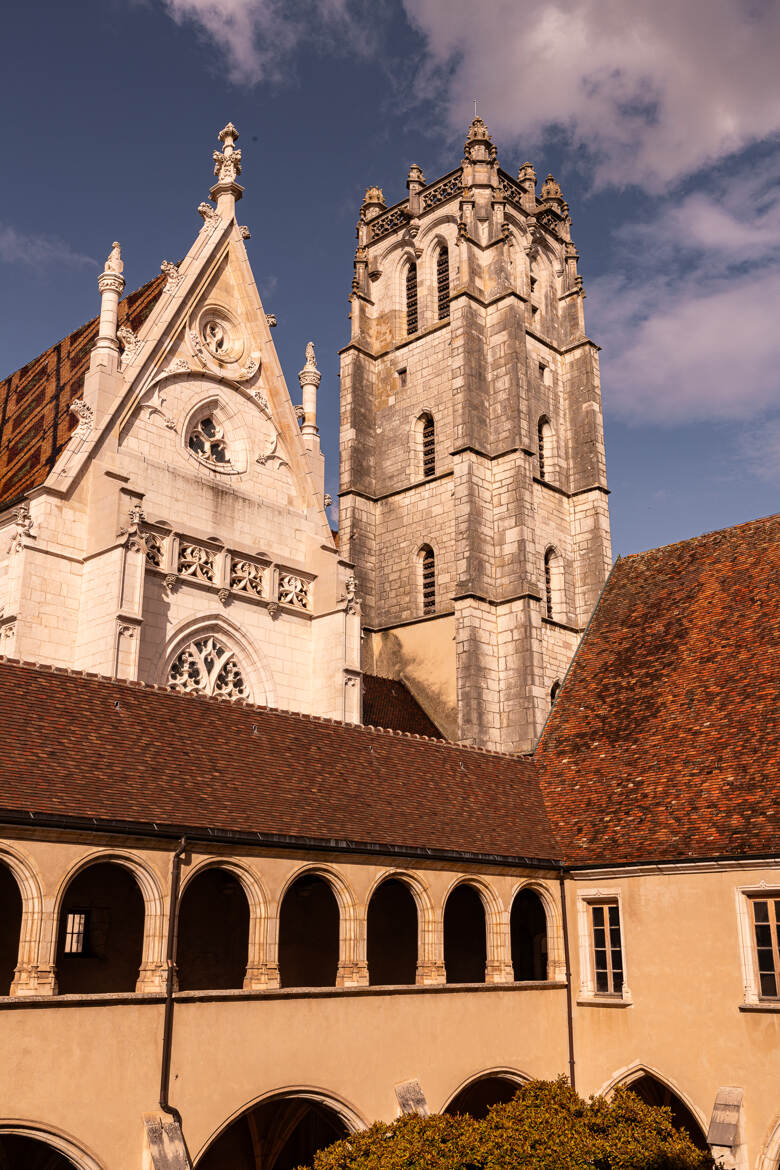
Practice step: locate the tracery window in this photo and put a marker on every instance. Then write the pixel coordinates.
(207, 441)
(411, 299)
(210, 668)
(443, 282)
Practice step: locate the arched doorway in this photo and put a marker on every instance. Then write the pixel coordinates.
(528, 930)
(276, 1135)
(465, 936)
(477, 1098)
(391, 926)
(101, 931)
(309, 934)
(654, 1092)
(10, 927)
(27, 1153)
(213, 934)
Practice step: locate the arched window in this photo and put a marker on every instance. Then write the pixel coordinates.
(213, 933)
(101, 932)
(528, 930)
(428, 566)
(309, 934)
(207, 665)
(427, 434)
(554, 691)
(546, 450)
(443, 282)
(553, 584)
(10, 927)
(411, 299)
(391, 926)
(465, 936)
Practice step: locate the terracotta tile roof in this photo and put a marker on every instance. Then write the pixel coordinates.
(35, 418)
(83, 746)
(388, 703)
(665, 739)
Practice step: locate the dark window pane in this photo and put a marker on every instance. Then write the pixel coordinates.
(769, 986)
(763, 936)
(761, 911)
(598, 915)
(602, 984)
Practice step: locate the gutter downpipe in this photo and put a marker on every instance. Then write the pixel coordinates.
(567, 960)
(165, 1063)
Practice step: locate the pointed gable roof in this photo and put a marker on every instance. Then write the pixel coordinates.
(664, 742)
(35, 417)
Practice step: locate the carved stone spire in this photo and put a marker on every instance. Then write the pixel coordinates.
(111, 284)
(227, 168)
(551, 191)
(309, 378)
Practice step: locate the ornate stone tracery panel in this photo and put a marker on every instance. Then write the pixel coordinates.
(208, 667)
(196, 561)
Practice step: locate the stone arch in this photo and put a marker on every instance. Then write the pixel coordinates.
(151, 977)
(512, 1077)
(351, 1119)
(633, 1073)
(430, 962)
(769, 1158)
(251, 658)
(351, 968)
(422, 445)
(257, 974)
(56, 1138)
(556, 959)
(25, 874)
(498, 964)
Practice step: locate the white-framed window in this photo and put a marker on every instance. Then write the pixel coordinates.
(602, 947)
(758, 916)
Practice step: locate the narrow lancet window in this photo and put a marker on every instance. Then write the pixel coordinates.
(411, 299)
(553, 584)
(428, 447)
(443, 283)
(428, 562)
(545, 436)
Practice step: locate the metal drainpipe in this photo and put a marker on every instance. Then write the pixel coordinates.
(165, 1069)
(569, 1016)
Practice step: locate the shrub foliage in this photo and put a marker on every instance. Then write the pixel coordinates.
(546, 1126)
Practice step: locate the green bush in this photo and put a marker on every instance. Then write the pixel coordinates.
(546, 1126)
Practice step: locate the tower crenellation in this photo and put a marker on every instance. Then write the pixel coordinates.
(473, 486)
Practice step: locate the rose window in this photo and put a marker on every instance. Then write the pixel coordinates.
(215, 337)
(208, 667)
(207, 440)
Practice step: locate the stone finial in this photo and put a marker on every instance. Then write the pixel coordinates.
(415, 177)
(309, 378)
(527, 174)
(551, 191)
(114, 262)
(479, 145)
(227, 168)
(373, 203)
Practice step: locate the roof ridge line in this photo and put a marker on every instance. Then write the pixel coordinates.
(304, 716)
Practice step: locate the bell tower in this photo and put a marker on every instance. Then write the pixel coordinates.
(473, 498)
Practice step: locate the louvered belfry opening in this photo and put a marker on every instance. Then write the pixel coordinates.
(543, 436)
(428, 447)
(548, 557)
(428, 579)
(443, 283)
(411, 299)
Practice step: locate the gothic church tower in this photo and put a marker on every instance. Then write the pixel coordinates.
(473, 497)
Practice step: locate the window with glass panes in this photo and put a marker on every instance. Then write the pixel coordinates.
(76, 932)
(766, 931)
(607, 948)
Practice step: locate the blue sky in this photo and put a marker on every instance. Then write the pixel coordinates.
(661, 121)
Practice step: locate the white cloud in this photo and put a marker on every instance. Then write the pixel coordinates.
(652, 90)
(759, 450)
(257, 37)
(38, 251)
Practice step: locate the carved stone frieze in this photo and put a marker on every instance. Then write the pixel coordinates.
(247, 577)
(172, 274)
(295, 591)
(196, 562)
(23, 526)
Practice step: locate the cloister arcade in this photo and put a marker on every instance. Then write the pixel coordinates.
(101, 928)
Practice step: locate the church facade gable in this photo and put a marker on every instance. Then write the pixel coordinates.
(181, 537)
